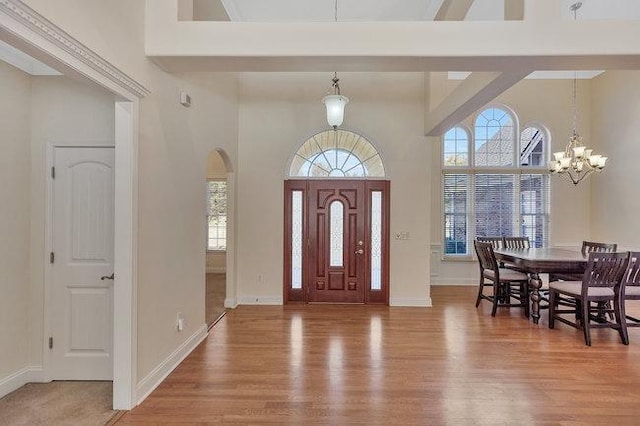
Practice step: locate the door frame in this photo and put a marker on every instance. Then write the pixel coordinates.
(291, 295)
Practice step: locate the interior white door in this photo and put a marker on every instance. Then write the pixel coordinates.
(81, 307)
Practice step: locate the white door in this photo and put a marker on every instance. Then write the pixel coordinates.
(81, 309)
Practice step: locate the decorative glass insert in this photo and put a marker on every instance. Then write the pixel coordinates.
(296, 239)
(532, 145)
(376, 240)
(494, 138)
(336, 238)
(217, 215)
(456, 148)
(337, 153)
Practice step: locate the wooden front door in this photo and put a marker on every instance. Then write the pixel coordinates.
(336, 241)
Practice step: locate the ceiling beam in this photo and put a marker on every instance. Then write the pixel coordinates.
(474, 92)
(453, 10)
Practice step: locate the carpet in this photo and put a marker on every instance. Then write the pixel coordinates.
(58, 403)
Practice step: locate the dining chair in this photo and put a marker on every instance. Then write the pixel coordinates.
(496, 242)
(601, 283)
(631, 287)
(587, 247)
(516, 242)
(505, 283)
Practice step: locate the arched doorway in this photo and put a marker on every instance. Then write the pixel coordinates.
(217, 237)
(336, 247)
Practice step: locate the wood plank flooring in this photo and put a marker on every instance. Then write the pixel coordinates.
(450, 364)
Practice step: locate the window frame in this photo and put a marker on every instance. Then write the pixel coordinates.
(517, 170)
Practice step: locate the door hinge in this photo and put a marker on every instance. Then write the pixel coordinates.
(50, 342)
(53, 172)
(52, 257)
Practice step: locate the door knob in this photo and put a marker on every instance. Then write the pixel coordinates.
(359, 251)
(108, 277)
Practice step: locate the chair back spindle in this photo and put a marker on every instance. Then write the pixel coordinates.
(517, 243)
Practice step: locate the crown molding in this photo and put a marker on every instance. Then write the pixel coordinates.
(40, 25)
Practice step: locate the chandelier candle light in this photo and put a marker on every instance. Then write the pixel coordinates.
(576, 162)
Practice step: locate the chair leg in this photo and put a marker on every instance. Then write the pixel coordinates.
(552, 308)
(585, 323)
(496, 296)
(524, 298)
(620, 314)
(480, 292)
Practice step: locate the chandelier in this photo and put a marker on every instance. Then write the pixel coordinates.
(576, 162)
(335, 103)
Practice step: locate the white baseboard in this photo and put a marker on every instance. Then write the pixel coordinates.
(418, 303)
(230, 302)
(20, 378)
(158, 374)
(260, 300)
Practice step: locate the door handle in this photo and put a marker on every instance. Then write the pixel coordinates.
(108, 277)
(359, 251)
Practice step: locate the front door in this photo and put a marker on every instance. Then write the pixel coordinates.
(81, 297)
(336, 241)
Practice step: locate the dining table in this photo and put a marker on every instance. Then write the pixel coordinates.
(536, 261)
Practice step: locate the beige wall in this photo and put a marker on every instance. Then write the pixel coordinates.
(615, 203)
(173, 144)
(36, 112)
(546, 102)
(280, 111)
(63, 112)
(15, 107)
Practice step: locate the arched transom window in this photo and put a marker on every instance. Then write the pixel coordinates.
(339, 154)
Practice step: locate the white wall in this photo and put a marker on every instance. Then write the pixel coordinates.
(546, 102)
(278, 112)
(15, 87)
(615, 203)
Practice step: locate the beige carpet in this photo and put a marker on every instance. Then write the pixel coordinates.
(216, 292)
(58, 403)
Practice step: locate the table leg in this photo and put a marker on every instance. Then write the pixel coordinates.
(535, 282)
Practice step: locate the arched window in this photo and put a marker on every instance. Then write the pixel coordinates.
(533, 147)
(488, 191)
(337, 154)
(494, 138)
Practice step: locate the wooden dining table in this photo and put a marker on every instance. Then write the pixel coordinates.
(536, 261)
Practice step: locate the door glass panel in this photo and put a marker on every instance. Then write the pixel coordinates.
(376, 240)
(336, 212)
(296, 239)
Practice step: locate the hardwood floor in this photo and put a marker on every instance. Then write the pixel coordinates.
(450, 364)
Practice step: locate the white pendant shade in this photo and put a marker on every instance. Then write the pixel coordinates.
(335, 108)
